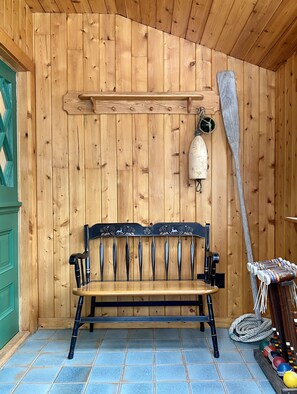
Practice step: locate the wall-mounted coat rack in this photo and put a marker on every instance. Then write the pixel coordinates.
(84, 103)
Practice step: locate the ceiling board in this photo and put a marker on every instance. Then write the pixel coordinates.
(261, 32)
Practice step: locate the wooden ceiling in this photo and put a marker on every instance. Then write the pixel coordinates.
(262, 32)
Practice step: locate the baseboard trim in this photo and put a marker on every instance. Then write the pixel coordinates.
(7, 351)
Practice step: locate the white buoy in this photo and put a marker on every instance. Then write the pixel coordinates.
(198, 160)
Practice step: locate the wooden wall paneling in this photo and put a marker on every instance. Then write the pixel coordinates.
(148, 11)
(171, 154)
(111, 6)
(256, 23)
(164, 15)
(8, 20)
(251, 163)
(215, 22)
(203, 201)
(44, 164)
(121, 7)
(198, 17)
(60, 183)
(65, 6)
(275, 28)
(133, 10)
(187, 126)
(22, 26)
(156, 145)
(15, 5)
(75, 144)
(282, 49)
(179, 25)
(82, 6)
(289, 155)
(236, 264)
(29, 33)
(140, 152)
(238, 16)
(219, 187)
(124, 142)
(293, 203)
(98, 7)
(280, 161)
(266, 163)
(107, 80)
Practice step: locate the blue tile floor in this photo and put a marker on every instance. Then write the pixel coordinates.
(142, 361)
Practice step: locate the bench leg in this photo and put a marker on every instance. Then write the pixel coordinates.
(212, 327)
(75, 327)
(201, 311)
(92, 314)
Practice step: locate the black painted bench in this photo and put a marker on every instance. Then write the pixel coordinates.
(130, 246)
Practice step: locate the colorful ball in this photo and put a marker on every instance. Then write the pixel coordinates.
(268, 349)
(277, 361)
(290, 379)
(273, 354)
(262, 344)
(283, 368)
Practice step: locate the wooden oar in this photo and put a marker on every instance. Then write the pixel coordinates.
(229, 108)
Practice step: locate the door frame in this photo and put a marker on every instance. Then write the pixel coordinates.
(26, 142)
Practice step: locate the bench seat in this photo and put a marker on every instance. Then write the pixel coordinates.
(146, 288)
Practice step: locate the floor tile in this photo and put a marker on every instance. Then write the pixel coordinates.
(73, 374)
(12, 374)
(170, 372)
(232, 356)
(172, 388)
(242, 387)
(207, 388)
(21, 360)
(141, 334)
(141, 344)
(256, 371)
(135, 358)
(96, 335)
(137, 388)
(32, 346)
(167, 345)
(62, 335)
(6, 388)
(198, 357)
(195, 344)
(234, 371)
(266, 387)
(68, 388)
(106, 374)
(101, 388)
(43, 334)
(48, 360)
(248, 355)
(116, 334)
(136, 373)
(56, 346)
(29, 388)
(110, 358)
(81, 358)
(112, 346)
(202, 372)
(169, 358)
(171, 334)
(41, 375)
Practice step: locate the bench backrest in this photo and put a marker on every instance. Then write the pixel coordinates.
(129, 231)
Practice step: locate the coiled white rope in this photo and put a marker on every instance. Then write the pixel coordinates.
(247, 328)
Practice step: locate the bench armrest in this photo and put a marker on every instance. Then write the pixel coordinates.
(213, 259)
(80, 262)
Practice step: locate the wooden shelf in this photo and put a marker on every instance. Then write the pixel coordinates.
(291, 219)
(142, 102)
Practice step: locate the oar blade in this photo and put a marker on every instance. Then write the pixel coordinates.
(229, 107)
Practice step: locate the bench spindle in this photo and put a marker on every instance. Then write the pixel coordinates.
(127, 254)
(82, 270)
(140, 258)
(114, 257)
(166, 253)
(192, 255)
(153, 257)
(179, 257)
(101, 254)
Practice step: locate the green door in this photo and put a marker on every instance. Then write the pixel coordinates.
(9, 206)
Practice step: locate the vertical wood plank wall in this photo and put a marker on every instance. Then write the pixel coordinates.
(135, 167)
(16, 25)
(286, 159)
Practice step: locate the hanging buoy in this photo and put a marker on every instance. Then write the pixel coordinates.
(198, 161)
(198, 157)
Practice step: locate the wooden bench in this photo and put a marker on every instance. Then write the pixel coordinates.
(123, 247)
